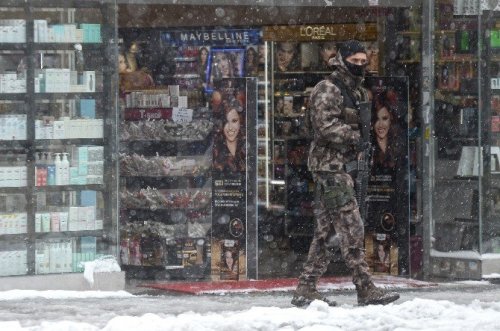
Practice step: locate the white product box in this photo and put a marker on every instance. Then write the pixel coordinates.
(99, 224)
(94, 180)
(52, 84)
(95, 153)
(95, 168)
(53, 252)
(24, 176)
(59, 130)
(16, 176)
(95, 128)
(23, 222)
(182, 101)
(63, 221)
(3, 224)
(90, 217)
(9, 176)
(45, 222)
(38, 222)
(40, 30)
(73, 219)
(39, 133)
(42, 257)
(89, 81)
(54, 222)
(2, 177)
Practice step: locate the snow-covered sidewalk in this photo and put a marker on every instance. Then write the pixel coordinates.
(457, 306)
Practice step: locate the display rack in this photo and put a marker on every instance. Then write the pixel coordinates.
(165, 167)
(57, 210)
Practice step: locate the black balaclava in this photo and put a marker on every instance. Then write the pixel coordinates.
(349, 48)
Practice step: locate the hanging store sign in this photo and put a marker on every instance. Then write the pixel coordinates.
(218, 37)
(363, 32)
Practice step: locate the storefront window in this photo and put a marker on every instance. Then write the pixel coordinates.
(189, 216)
(210, 132)
(57, 132)
(464, 224)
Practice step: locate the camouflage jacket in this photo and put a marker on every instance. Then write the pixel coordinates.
(335, 138)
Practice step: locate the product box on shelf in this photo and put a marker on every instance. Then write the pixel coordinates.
(13, 127)
(54, 222)
(88, 81)
(381, 253)
(64, 33)
(13, 223)
(63, 221)
(55, 80)
(73, 218)
(13, 176)
(12, 31)
(11, 83)
(42, 258)
(91, 32)
(13, 262)
(87, 108)
(45, 217)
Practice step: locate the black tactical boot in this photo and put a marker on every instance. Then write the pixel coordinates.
(305, 294)
(371, 295)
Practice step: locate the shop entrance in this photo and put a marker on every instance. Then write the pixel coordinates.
(285, 61)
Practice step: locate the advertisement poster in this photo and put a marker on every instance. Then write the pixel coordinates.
(229, 183)
(388, 187)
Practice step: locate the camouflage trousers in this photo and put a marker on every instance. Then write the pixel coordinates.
(336, 226)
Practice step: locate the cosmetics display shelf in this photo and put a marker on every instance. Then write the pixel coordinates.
(165, 169)
(65, 24)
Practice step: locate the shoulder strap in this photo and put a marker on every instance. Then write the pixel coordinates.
(346, 92)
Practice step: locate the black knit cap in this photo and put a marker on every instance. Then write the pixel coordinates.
(351, 47)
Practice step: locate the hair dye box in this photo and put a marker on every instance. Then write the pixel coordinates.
(381, 254)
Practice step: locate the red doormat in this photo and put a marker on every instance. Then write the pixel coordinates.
(282, 284)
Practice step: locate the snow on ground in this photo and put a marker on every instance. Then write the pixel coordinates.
(417, 314)
(466, 306)
(56, 294)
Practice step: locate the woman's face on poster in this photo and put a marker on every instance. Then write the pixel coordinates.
(381, 252)
(286, 52)
(232, 126)
(251, 55)
(122, 64)
(229, 258)
(224, 64)
(382, 123)
(203, 55)
(328, 50)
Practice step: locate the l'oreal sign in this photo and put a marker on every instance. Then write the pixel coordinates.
(217, 37)
(335, 32)
(318, 32)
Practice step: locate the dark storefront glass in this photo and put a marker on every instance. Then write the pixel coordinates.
(465, 233)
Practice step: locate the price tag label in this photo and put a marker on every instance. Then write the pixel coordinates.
(182, 115)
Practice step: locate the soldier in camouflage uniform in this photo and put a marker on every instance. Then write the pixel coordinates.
(334, 119)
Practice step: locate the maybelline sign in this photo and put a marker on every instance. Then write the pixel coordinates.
(218, 37)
